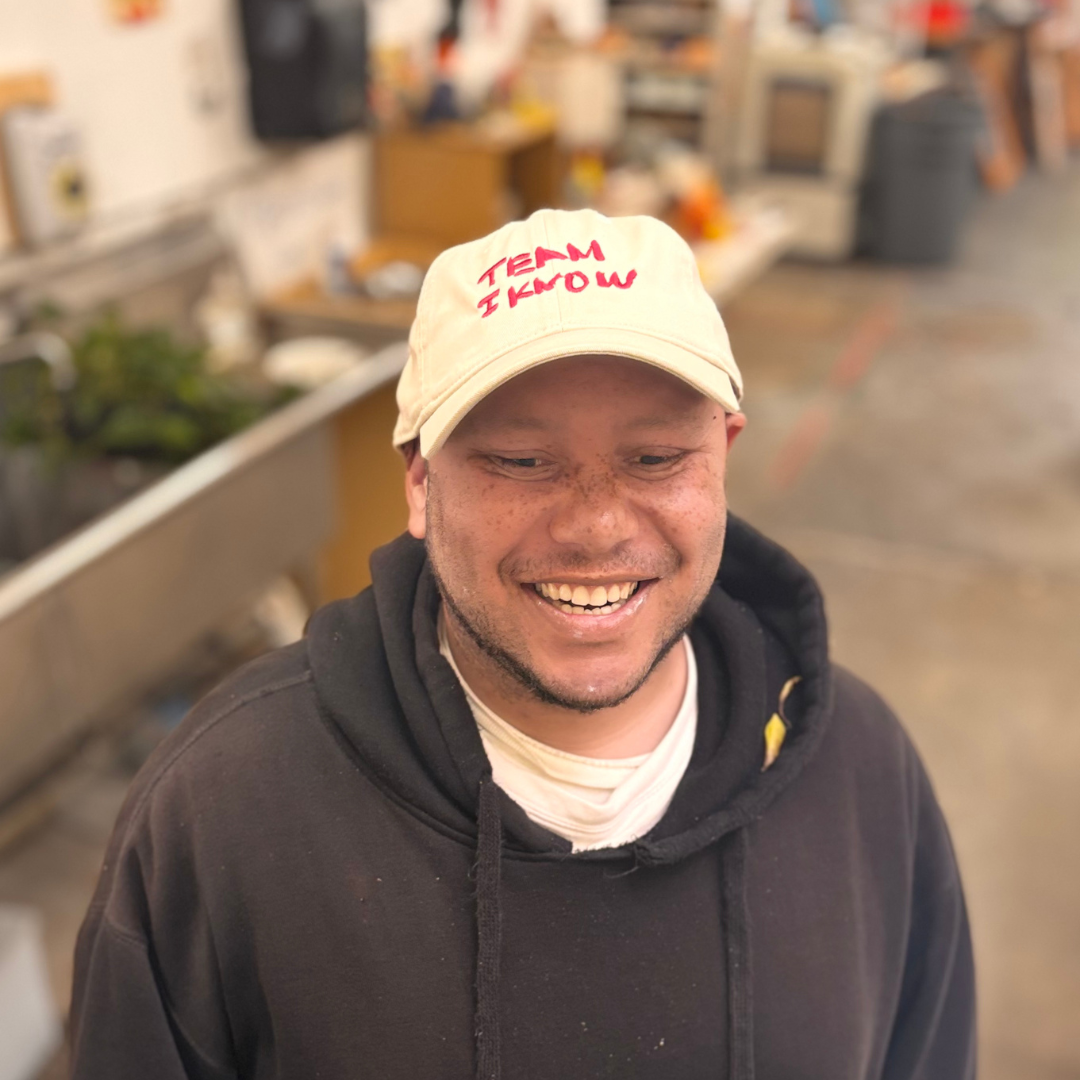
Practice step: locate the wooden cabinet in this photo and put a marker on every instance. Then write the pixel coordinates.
(458, 182)
(369, 493)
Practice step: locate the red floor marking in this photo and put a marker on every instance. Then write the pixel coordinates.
(873, 330)
(801, 445)
(812, 426)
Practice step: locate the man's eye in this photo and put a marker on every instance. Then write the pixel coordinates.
(519, 462)
(656, 460)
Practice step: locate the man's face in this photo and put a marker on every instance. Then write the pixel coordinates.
(583, 476)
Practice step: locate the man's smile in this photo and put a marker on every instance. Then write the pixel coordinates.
(582, 599)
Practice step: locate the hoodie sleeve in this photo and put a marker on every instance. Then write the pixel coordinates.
(147, 998)
(121, 1025)
(933, 1034)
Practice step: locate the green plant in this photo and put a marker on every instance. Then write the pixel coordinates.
(139, 393)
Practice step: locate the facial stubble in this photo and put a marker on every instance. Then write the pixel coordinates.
(525, 677)
(515, 670)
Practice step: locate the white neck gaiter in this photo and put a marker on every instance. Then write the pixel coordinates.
(592, 802)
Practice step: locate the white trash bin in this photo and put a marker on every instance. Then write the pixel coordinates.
(30, 1030)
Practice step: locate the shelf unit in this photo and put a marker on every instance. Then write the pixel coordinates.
(668, 66)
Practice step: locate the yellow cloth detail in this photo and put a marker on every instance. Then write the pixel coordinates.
(775, 733)
(777, 728)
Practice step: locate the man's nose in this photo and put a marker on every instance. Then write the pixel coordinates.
(594, 514)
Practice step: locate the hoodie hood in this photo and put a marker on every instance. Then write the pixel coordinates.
(400, 712)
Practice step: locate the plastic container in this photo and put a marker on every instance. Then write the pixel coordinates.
(30, 1029)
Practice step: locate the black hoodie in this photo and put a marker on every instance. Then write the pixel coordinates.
(315, 877)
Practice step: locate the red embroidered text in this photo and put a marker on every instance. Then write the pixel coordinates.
(605, 282)
(593, 249)
(526, 262)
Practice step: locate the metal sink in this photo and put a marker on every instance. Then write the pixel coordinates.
(98, 618)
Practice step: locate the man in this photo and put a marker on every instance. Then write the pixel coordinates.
(562, 795)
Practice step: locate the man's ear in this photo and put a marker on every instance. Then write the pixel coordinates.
(416, 480)
(735, 423)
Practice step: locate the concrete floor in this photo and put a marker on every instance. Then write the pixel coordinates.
(55, 868)
(914, 437)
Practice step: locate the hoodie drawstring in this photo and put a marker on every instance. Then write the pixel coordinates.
(736, 924)
(488, 931)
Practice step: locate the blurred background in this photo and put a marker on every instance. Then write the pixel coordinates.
(215, 216)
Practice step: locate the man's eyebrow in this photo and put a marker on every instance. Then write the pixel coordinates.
(684, 421)
(520, 423)
(651, 420)
(687, 418)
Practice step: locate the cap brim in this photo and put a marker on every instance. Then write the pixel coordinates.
(705, 375)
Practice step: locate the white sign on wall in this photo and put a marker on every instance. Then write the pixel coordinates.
(285, 225)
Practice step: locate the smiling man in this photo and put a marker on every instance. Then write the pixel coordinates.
(573, 790)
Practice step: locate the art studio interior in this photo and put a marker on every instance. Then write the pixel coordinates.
(215, 220)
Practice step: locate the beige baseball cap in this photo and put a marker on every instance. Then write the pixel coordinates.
(561, 283)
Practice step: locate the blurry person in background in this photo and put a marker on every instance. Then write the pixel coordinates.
(573, 790)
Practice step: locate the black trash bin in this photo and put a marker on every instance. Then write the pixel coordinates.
(920, 177)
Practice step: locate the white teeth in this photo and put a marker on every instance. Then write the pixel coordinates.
(574, 609)
(583, 599)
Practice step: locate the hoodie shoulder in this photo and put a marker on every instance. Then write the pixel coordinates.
(244, 723)
(880, 756)
(255, 692)
(864, 716)
(866, 722)
(264, 676)
(869, 753)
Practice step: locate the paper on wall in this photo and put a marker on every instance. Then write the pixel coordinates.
(284, 225)
(7, 237)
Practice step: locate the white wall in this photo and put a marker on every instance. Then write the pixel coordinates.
(134, 91)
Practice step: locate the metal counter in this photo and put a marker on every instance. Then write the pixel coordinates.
(98, 618)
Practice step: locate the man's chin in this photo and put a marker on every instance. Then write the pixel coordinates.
(585, 687)
(587, 696)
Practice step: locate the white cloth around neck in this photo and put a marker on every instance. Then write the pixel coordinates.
(592, 802)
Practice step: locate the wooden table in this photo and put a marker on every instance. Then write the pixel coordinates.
(762, 235)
